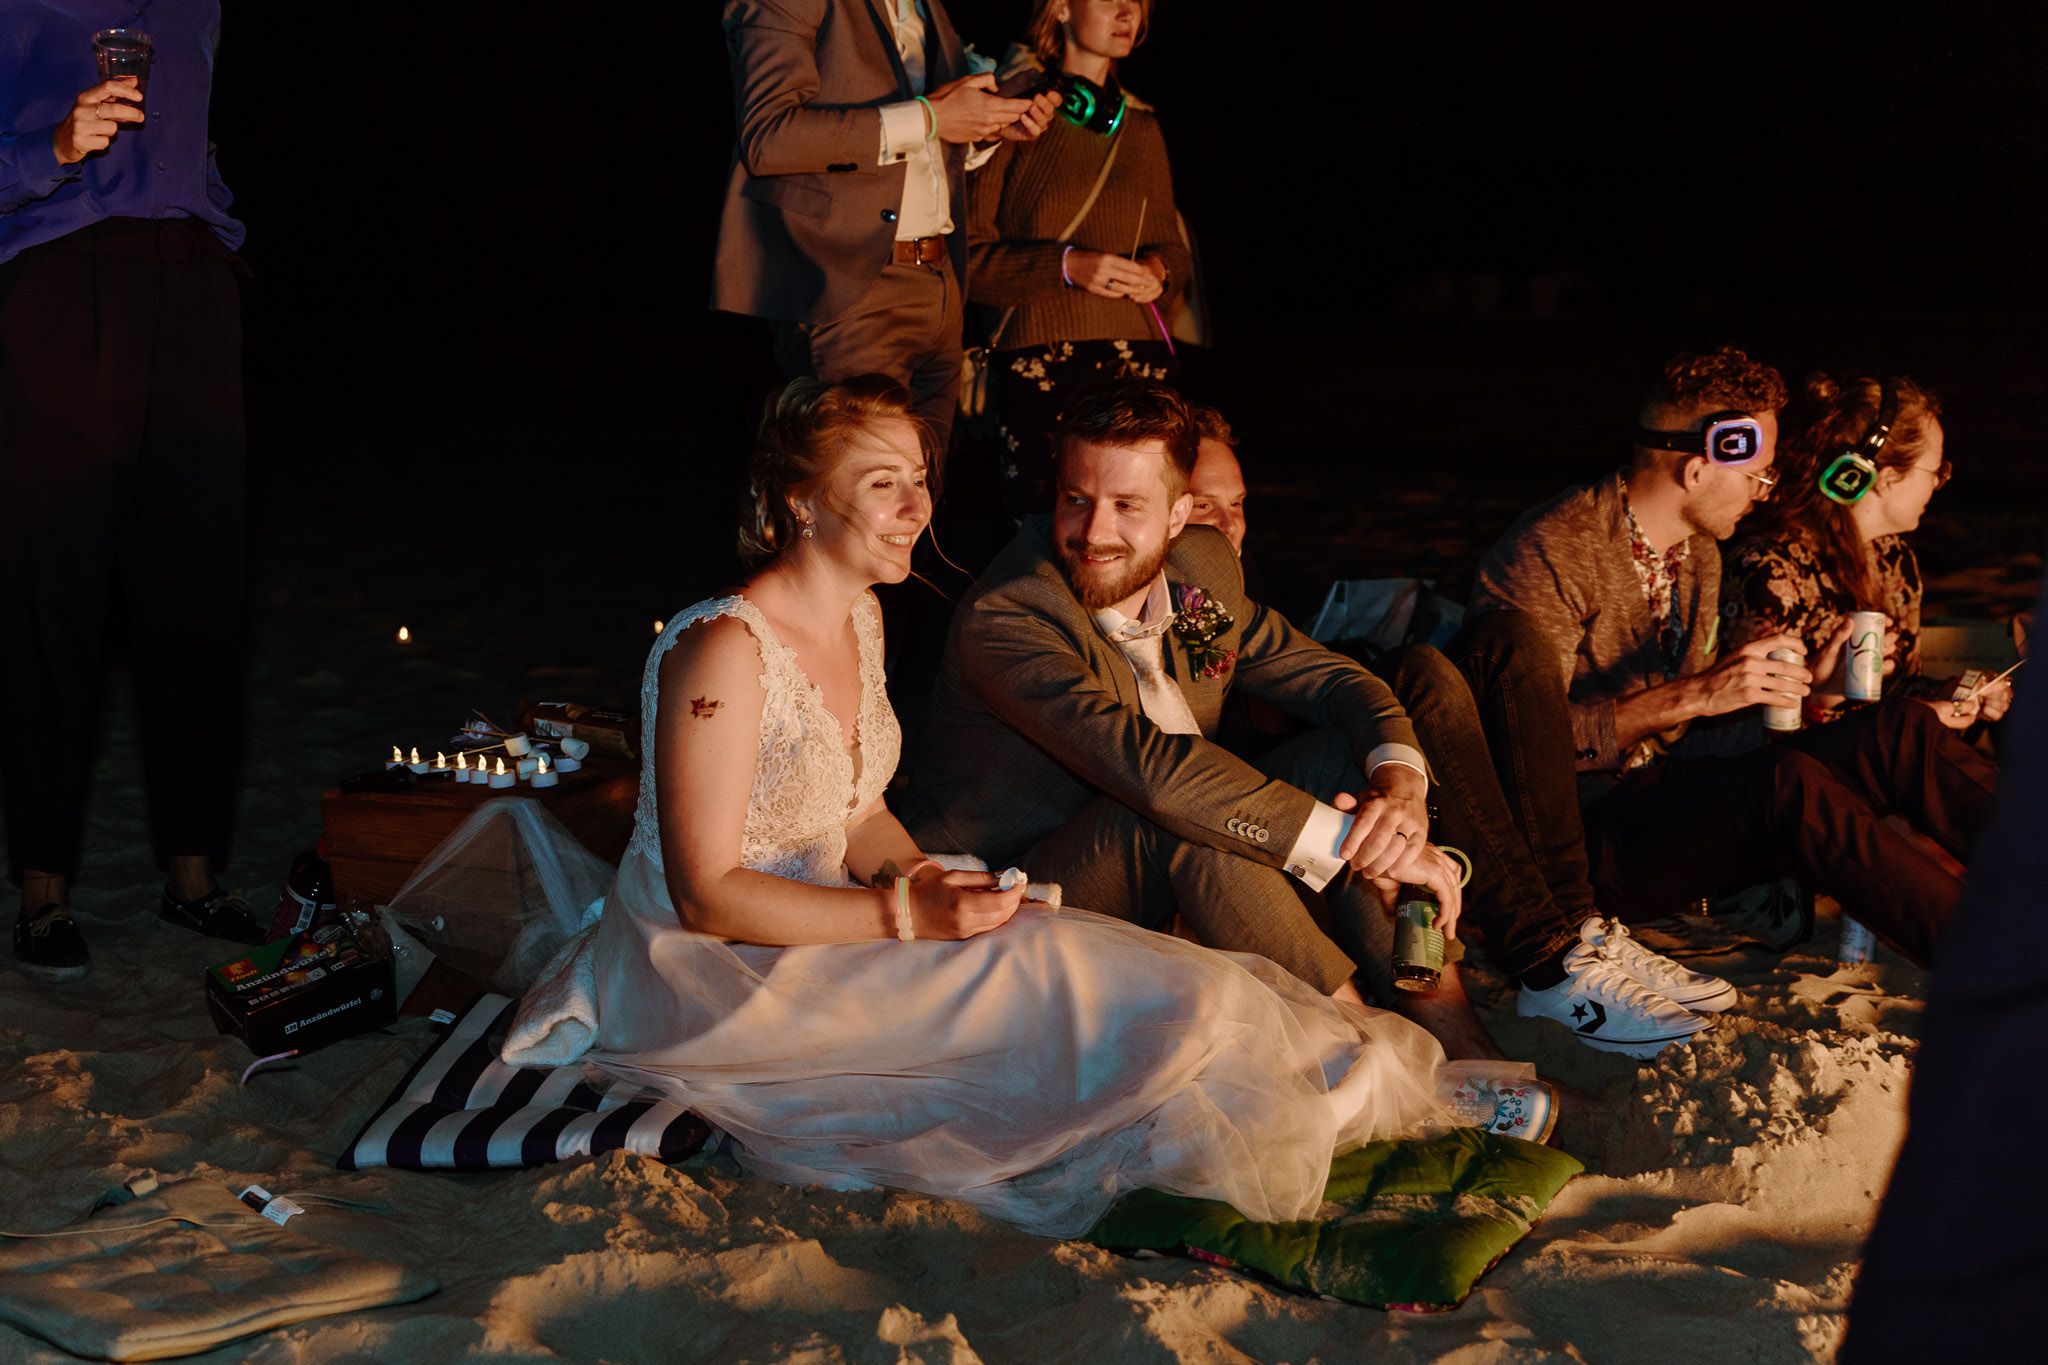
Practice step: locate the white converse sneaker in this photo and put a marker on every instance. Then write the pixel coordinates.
(1694, 990)
(1609, 1009)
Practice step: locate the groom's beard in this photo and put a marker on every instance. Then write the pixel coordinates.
(1096, 586)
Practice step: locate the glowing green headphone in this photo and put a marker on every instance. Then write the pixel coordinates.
(1853, 473)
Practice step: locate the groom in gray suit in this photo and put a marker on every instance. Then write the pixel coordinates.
(1082, 679)
(855, 122)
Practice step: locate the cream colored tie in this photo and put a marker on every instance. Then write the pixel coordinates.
(1159, 696)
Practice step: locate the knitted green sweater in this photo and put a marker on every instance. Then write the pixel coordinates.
(1019, 202)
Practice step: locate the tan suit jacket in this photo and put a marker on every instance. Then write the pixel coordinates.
(1035, 713)
(809, 214)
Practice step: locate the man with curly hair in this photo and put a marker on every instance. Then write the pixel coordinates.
(1623, 577)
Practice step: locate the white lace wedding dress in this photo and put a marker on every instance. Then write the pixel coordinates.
(1036, 1071)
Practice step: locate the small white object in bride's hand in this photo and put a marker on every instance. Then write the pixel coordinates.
(1041, 893)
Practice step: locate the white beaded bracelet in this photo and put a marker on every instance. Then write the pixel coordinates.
(904, 933)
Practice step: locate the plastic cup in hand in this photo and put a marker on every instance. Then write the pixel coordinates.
(125, 54)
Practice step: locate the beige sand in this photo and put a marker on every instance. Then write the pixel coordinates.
(1736, 1180)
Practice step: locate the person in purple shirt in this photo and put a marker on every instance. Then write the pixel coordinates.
(121, 451)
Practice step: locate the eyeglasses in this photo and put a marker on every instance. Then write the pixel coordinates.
(1942, 474)
(1768, 479)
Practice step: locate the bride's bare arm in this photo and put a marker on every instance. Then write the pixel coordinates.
(877, 843)
(706, 745)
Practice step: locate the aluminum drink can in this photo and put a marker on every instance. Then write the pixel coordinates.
(1783, 717)
(1858, 943)
(1866, 655)
(1418, 943)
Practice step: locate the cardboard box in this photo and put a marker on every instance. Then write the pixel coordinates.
(376, 840)
(302, 992)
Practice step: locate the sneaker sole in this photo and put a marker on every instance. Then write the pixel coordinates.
(1642, 1049)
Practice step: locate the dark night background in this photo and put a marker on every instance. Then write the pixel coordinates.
(1446, 248)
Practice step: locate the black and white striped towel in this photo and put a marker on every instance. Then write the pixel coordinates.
(462, 1109)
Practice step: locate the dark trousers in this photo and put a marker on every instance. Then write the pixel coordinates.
(906, 326)
(1491, 716)
(1813, 804)
(122, 471)
(1114, 861)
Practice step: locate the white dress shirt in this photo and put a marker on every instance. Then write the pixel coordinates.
(927, 208)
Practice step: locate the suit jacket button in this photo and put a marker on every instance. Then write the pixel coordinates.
(1231, 825)
(1262, 835)
(888, 215)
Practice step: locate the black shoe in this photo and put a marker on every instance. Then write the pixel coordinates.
(48, 946)
(218, 914)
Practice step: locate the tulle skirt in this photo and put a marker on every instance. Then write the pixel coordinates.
(1036, 1072)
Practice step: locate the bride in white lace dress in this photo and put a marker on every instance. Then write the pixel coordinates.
(757, 963)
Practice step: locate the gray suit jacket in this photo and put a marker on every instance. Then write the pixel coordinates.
(809, 215)
(1035, 713)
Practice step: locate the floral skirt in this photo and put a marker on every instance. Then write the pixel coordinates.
(1029, 389)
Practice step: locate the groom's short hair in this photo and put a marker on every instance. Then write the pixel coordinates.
(1124, 412)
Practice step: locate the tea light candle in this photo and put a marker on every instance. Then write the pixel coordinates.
(566, 764)
(517, 745)
(462, 770)
(502, 778)
(404, 636)
(415, 762)
(543, 776)
(441, 763)
(397, 759)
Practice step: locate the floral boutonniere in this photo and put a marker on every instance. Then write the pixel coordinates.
(1198, 623)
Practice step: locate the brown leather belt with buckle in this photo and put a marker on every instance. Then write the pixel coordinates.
(919, 251)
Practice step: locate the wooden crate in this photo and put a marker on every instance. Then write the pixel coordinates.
(375, 840)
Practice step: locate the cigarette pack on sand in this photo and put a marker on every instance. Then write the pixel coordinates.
(302, 992)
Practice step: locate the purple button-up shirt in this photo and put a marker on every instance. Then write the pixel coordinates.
(163, 168)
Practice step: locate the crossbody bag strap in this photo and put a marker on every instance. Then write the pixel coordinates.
(1094, 192)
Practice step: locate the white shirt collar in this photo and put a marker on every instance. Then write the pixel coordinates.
(1153, 615)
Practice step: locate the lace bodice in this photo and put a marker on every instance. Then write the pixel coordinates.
(805, 787)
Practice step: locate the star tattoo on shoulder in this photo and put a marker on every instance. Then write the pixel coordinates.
(701, 709)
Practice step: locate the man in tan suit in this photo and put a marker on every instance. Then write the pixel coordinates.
(855, 121)
(1082, 677)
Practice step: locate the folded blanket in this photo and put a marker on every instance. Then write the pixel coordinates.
(180, 1271)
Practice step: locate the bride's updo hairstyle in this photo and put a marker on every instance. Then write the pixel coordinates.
(804, 428)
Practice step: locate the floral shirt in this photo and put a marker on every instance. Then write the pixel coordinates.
(1774, 585)
(1658, 574)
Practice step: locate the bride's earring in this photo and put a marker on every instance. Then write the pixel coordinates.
(810, 529)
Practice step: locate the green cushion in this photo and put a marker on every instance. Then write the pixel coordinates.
(1419, 1221)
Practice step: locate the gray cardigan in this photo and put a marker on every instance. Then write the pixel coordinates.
(1567, 565)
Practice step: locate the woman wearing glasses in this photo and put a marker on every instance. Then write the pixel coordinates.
(1858, 463)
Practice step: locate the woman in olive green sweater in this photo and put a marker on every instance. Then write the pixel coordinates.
(1064, 311)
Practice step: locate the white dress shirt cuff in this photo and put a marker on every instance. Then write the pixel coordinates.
(1313, 860)
(978, 157)
(1396, 753)
(903, 129)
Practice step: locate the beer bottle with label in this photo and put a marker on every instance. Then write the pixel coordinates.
(1418, 943)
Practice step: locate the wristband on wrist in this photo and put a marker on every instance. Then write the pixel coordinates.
(1065, 278)
(931, 118)
(921, 864)
(904, 932)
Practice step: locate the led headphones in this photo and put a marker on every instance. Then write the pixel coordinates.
(1729, 437)
(1083, 103)
(1853, 473)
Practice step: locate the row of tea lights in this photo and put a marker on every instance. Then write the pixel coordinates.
(535, 769)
